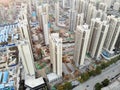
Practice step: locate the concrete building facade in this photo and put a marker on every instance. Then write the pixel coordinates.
(81, 41)
(113, 33)
(98, 32)
(25, 50)
(115, 36)
(80, 19)
(55, 45)
(102, 6)
(90, 13)
(45, 28)
(73, 21)
(57, 12)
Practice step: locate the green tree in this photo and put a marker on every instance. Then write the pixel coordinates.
(92, 73)
(103, 65)
(119, 57)
(67, 86)
(60, 87)
(105, 82)
(80, 80)
(98, 86)
(98, 70)
(85, 76)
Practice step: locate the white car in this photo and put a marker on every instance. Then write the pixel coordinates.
(75, 83)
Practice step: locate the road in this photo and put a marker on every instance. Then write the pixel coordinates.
(109, 72)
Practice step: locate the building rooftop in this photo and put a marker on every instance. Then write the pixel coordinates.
(32, 83)
(52, 77)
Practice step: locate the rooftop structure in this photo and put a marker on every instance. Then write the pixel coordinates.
(35, 83)
(52, 77)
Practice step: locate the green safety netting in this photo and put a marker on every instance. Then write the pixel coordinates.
(53, 88)
(38, 66)
(44, 64)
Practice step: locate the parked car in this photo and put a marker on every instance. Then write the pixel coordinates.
(75, 83)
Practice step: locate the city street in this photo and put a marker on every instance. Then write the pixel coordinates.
(109, 72)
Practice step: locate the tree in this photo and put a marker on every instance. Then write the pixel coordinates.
(103, 65)
(92, 73)
(98, 70)
(105, 82)
(80, 80)
(67, 86)
(98, 86)
(60, 87)
(85, 76)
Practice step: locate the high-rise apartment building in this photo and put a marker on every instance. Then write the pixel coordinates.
(29, 6)
(115, 36)
(45, 28)
(45, 8)
(113, 33)
(63, 3)
(80, 19)
(101, 41)
(104, 16)
(27, 59)
(39, 12)
(57, 12)
(99, 14)
(82, 7)
(25, 51)
(102, 6)
(55, 45)
(73, 4)
(68, 3)
(98, 32)
(117, 45)
(73, 17)
(91, 13)
(81, 41)
(42, 9)
(96, 12)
